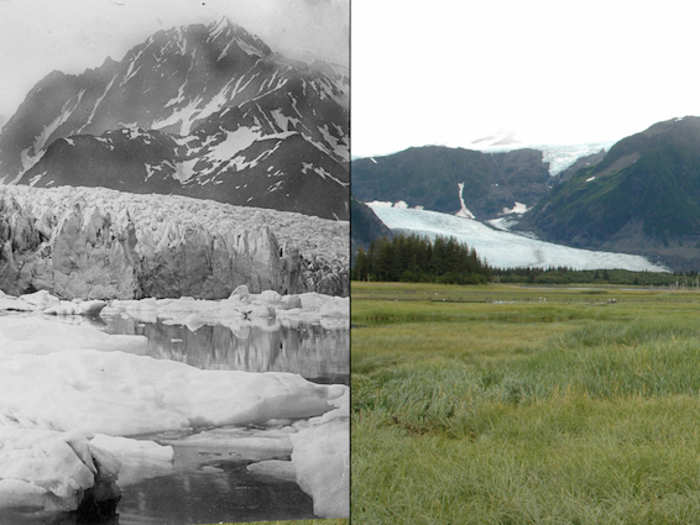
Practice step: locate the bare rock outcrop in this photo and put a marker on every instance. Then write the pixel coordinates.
(93, 243)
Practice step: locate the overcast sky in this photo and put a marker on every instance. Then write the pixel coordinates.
(448, 72)
(38, 36)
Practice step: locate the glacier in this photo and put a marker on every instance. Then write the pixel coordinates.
(94, 243)
(559, 156)
(503, 249)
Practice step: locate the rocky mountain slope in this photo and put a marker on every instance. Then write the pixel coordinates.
(97, 243)
(365, 226)
(430, 177)
(205, 111)
(642, 197)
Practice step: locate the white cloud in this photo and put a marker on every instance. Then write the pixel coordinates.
(445, 72)
(37, 36)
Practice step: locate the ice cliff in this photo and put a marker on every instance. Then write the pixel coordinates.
(94, 243)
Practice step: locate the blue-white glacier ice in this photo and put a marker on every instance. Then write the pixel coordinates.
(502, 249)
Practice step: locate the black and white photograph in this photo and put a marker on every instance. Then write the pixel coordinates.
(174, 261)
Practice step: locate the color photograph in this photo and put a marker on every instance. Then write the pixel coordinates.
(525, 255)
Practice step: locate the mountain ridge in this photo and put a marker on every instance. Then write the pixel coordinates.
(492, 181)
(643, 197)
(214, 86)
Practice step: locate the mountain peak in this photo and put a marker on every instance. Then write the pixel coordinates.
(221, 25)
(225, 31)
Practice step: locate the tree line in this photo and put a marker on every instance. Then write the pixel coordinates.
(414, 258)
(564, 275)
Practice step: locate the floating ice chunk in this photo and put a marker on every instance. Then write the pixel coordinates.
(240, 309)
(289, 302)
(32, 334)
(87, 308)
(9, 303)
(49, 471)
(274, 468)
(43, 301)
(321, 459)
(138, 459)
(122, 394)
(336, 307)
(239, 443)
(40, 300)
(15, 494)
(270, 297)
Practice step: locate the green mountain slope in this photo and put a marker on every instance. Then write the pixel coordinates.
(429, 176)
(644, 197)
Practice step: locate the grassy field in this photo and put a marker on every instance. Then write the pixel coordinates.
(508, 404)
(297, 522)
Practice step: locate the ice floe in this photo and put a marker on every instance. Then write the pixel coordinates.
(73, 399)
(268, 309)
(31, 334)
(44, 471)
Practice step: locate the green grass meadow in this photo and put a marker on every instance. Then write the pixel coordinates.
(507, 404)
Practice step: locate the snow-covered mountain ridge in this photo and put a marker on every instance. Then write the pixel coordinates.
(558, 156)
(241, 123)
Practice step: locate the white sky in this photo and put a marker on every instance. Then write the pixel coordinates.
(448, 71)
(38, 36)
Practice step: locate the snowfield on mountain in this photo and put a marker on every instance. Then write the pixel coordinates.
(206, 111)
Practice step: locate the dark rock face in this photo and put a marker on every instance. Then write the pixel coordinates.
(365, 226)
(429, 177)
(642, 197)
(85, 244)
(237, 123)
(141, 161)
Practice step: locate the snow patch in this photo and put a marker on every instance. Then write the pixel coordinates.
(503, 223)
(33, 153)
(185, 116)
(464, 211)
(36, 178)
(518, 209)
(97, 104)
(184, 171)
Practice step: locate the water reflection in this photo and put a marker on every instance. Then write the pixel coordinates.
(214, 493)
(215, 486)
(310, 351)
